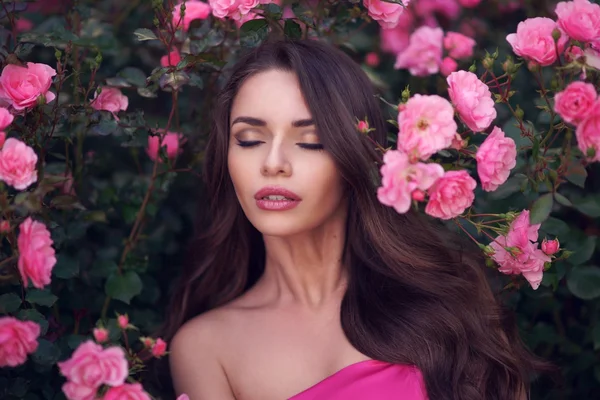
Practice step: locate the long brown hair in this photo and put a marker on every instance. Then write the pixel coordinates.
(415, 295)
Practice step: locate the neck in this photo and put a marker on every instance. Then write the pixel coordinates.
(306, 269)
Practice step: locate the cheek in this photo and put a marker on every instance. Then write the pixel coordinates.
(237, 171)
(325, 181)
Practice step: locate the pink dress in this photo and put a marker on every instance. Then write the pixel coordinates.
(369, 380)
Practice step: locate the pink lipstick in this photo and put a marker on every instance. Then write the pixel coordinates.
(273, 198)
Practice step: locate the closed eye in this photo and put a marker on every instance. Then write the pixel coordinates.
(311, 146)
(248, 143)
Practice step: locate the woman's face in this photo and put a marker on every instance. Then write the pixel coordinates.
(284, 180)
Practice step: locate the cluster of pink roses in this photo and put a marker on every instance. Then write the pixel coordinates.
(427, 125)
(21, 88)
(517, 252)
(579, 105)
(542, 41)
(196, 9)
(92, 366)
(17, 340)
(113, 100)
(420, 44)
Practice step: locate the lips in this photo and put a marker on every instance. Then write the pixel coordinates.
(276, 199)
(276, 194)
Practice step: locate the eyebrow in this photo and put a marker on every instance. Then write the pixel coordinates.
(301, 123)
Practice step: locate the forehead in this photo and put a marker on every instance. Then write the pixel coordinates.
(273, 96)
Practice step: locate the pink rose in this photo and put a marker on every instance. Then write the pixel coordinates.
(573, 53)
(550, 247)
(159, 348)
(387, 14)
(6, 118)
(183, 397)
(588, 133)
(100, 335)
(171, 59)
(372, 59)
(171, 141)
(224, 8)
(400, 179)
(36, 255)
(2, 139)
(469, 3)
(363, 126)
(17, 164)
(110, 99)
(496, 156)
(580, 19)
(423, 55)
(473, 100)
(91, 366)
(427, 9)
(458, 45)
(17, 340)
(21, 87)
(4, 226)
(575, 102)
(128, 391)
(448, 66)
(451, 195)
(592, 57)
(394, 40)
(526, 258)
(534, 42)
(123, 321)
(23, 25)
(74, 391)
(426, 125)
(246, 5)
(194, 9)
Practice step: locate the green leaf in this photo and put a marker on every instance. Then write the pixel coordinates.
(19, 387)
(105, 127)
(9, 303)
(589, 205)
(135, 76)
(541, 208)
(583, 252)
(511, 129)
(66, 267)
(556, 227)
(584, 282)
(43, 297)
(142, 34)
(35, 316)
(562, 200)
(576, 174)
(123, 287)
(75, 340)
(253, 32)
(47, 353)
(292, 29)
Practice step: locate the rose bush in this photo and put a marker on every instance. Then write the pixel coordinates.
(104, 112)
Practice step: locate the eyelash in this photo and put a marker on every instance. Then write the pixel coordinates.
(305, 146)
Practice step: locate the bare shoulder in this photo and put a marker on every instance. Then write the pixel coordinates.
(196, 357)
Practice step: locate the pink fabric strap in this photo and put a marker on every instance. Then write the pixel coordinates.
(369, 380)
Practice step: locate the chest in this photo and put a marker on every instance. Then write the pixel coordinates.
(276, 357)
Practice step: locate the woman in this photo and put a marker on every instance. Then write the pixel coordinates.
(305, 286)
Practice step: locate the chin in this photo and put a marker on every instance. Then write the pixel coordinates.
(280, 225)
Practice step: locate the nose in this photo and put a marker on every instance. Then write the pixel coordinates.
(276, 162)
